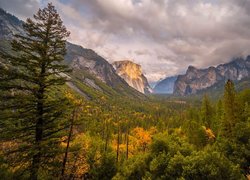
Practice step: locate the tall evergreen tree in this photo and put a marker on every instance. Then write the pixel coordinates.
(207, 112)
(31, 105)
(219, 116)
(230, 109)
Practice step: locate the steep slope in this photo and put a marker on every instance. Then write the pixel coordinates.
(95, 72)
(132, 74)
(165, 86)
(91, 72)
(9, 25)
(87, 60)
(199, 79)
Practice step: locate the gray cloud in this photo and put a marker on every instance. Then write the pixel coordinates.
(21, 8)
(142, 52)
(164, 36)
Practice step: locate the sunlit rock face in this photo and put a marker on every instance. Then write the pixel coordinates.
(87, 60)
(198, 79)
(132, 74)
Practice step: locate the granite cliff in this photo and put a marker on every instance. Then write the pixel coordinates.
(132, 74)
(196, 79)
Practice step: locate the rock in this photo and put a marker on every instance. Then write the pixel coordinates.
(132, 74)
(198, 79)
(165, 86)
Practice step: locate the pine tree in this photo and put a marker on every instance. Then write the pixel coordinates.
(219, 110)
(207, 111)
(31, 106)
(219, 116)
(230, 109)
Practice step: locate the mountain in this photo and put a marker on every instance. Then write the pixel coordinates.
(132, 74)
(9, 25)
(91, 74)
(82, 59)
(165, 86)
(196, 80)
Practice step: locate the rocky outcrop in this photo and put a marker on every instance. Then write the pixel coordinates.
(132, 74)
(199, 79)
(165, 86)
(87, 60)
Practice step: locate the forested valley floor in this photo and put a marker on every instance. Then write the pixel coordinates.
(50, 131)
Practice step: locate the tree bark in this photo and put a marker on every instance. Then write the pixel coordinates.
(38, 135)
(68, 141)
(107, 137)
(118, 144)
(127, 143)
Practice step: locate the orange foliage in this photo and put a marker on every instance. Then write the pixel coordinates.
(209, 133)
(77, 161)
(142, 138)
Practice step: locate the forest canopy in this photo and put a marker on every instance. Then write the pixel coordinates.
(50, 131)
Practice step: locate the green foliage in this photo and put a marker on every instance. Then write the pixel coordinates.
(171, 157)
(135, 168)
(102, 163)
(230, 108)
(32, 106)
(176, 138)
(210, 164)
(166, 152)
(195, 133)
(207, 112)
(106, 168)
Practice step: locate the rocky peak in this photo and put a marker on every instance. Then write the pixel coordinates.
(198, 79)
(129, 68)
(191, 69)
(248, 58)
(132, 74)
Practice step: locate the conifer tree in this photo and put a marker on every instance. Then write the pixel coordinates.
(31, 105)
(219, 110)
(207, 111)
(230, 109)
(219, 116)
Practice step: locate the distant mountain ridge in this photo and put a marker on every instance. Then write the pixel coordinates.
(132, 74)
(195, 80)
(165, 86)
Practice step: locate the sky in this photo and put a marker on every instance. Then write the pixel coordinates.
(163, 36)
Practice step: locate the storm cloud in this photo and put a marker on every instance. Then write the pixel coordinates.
(164, 36)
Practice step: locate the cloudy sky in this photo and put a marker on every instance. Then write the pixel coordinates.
(164, 36)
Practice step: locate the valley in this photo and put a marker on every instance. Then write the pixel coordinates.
(67, 113)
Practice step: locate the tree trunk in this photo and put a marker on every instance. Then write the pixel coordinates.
(68, 141)
(118, 144)
(127, 143)
(38, 135)
(107, 137)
